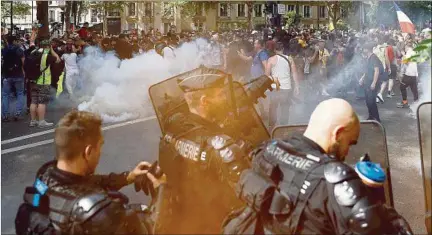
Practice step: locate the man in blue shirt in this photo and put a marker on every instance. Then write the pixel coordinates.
(259, 60)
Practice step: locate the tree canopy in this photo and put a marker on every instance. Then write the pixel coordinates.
(20, 9)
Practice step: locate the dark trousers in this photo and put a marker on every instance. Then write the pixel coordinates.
(28, 93)
(370, 97)
(411, 82)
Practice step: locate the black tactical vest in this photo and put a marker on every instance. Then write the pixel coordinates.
(276, 189)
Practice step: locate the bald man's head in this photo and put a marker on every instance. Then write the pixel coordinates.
(334, 126)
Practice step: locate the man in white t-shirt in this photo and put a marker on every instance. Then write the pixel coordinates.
(282, 70)
(409, 77)
(71, 68)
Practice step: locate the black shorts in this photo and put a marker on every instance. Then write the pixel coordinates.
(40, 94)
(393, 69)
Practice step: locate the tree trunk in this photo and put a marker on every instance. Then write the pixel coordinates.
(104, 23)
(67, 17)
(334, 12)
(74, 11)
(42, 17)
(80, 8)
(250, 6)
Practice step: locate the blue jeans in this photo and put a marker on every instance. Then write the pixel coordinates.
(7, 84)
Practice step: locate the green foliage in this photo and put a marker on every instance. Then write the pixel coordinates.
(289, 17)
(334, 9)
(342, 25)
(102, 6)
(292, 18)
(423, 51)
(188, 8)
(20, 9)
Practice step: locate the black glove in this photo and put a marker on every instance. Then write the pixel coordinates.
(143, 183)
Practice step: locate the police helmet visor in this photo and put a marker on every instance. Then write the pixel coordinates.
(168, 96)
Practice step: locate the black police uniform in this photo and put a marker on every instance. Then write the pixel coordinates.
(295, 188)
(203, 160)
(202, 165)
(75, 204)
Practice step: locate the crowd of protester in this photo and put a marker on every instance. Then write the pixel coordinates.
(304, 64)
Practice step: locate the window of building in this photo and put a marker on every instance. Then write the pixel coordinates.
(322, 11)
(132, 9)
(306, 11)
(241, 10)
(93, 15)
(223, 9)
(199, 26)
(148, 9)
(290, 8)
(258, 9)
(114, 12)
(50, 2)
(51, 15)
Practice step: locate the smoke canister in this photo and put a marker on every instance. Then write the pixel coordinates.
(371, 173)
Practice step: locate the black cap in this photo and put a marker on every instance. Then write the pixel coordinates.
(201, 81)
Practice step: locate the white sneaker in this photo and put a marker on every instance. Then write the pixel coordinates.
(44, 123)
(380, 97)
(33, 123)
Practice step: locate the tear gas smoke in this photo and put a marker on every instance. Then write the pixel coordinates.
(425, 86)
(118, 90)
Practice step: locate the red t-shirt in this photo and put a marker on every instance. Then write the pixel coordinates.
(390, 53)
(83, 33)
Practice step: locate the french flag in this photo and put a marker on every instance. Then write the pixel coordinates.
(405, 23)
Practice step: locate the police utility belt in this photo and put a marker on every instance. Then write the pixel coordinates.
(280, 182)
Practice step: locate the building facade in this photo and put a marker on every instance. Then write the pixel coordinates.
(145, 15)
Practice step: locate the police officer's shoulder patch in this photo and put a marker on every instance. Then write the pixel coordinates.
(220, 141)
(335, 172)
(347, 193)
(227, 155)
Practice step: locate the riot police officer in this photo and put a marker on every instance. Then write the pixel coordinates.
(302, 186)
(204, 147)
(68, 199)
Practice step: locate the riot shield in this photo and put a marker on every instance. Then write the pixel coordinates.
(167, 97)
(372, 140)
(249, 125)
(424, 127)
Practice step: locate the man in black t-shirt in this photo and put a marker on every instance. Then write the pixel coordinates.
(370, 80)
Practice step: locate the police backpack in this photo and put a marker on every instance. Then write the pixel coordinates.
(33, 215)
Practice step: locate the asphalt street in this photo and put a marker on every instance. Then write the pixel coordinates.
(24, 150)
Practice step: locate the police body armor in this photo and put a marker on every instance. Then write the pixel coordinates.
(202, 159)
(53, 207)
(283, 179)
(202, 165)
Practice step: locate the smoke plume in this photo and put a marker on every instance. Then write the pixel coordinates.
(118, 90)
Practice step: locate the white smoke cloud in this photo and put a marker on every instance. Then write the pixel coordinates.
(425, 86)
(118, 90)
